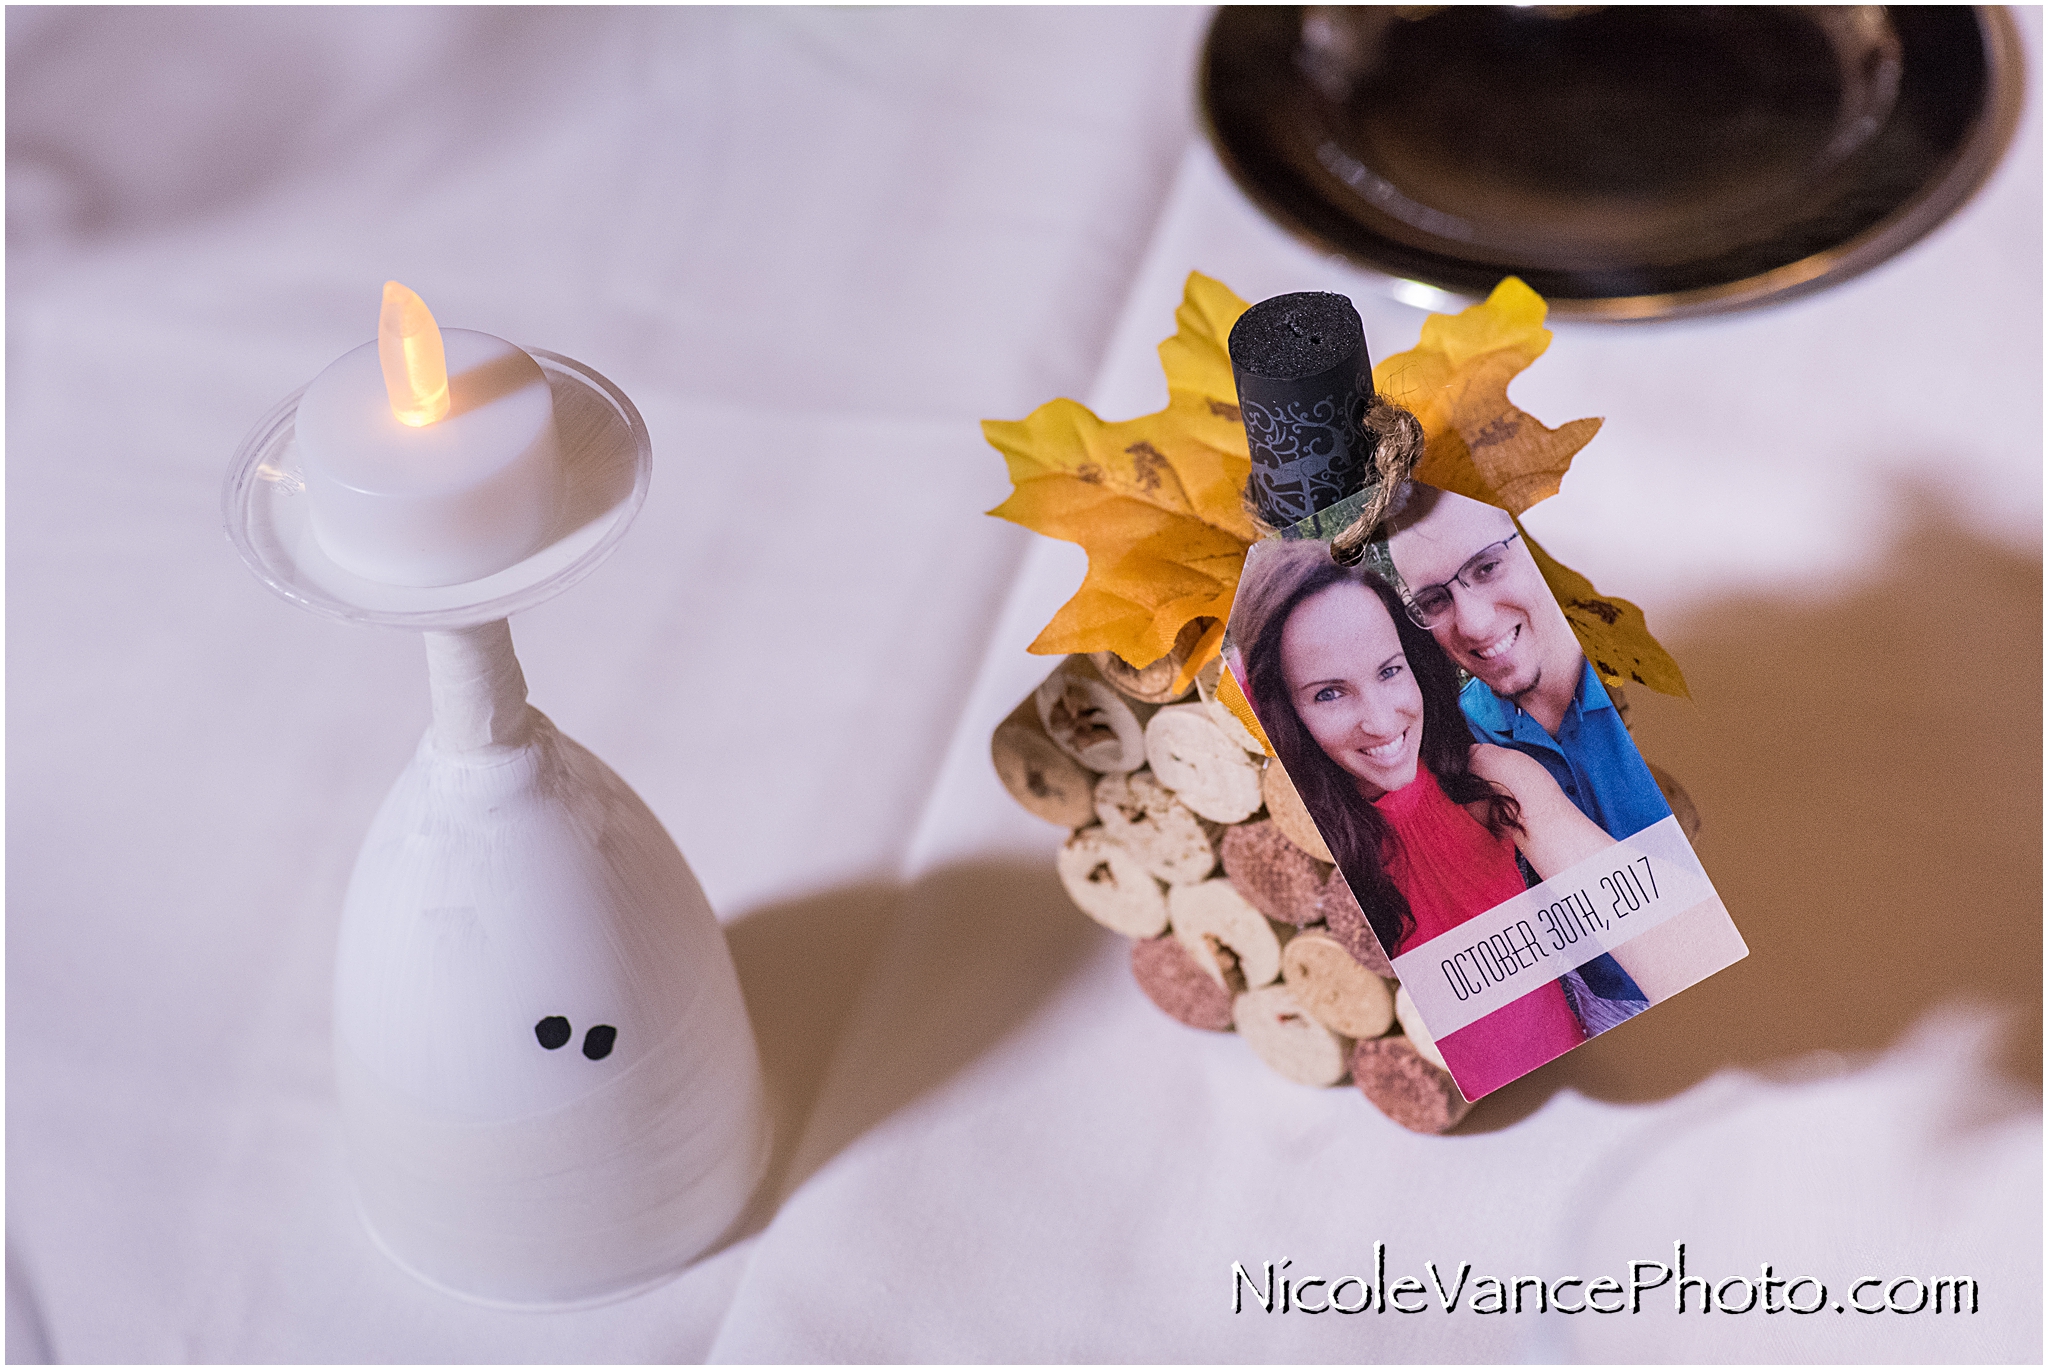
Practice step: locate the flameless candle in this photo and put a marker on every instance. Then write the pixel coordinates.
(429, 458)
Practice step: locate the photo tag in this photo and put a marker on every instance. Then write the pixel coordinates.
(1460, 756)
(1474, 781)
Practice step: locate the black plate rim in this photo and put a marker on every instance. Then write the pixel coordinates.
(1982, 150)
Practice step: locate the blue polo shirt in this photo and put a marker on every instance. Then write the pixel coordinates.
(1592, 758)
(1596, 764)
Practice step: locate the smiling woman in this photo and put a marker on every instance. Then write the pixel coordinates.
(1357, 701)
(1349, 682)
(1361, 705)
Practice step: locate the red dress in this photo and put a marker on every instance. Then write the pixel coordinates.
(1452, 869)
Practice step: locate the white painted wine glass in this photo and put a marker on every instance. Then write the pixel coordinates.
(548, 1081)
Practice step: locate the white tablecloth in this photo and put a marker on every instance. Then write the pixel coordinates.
(816, 248)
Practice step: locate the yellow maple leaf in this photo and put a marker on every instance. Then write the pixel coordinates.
(1157, 501)
(1611, 631)
(1455, 380)
(1479, 444)
(1231, 696)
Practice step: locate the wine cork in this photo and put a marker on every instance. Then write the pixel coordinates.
(1417, 1031)
(1143, 816)
(1284, 807)
(1088, 720)
(1211, 774)
(1214, 915)
(1345, 921)
(1408, 1089)
(1335, 990)
(1304, 380)
(1153, 683)
(1274, 1025)
(1110, 885)
(1276, 877)
(1182, 990)
(1038, 775)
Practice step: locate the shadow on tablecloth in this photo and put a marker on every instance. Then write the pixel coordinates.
(945, 967)
(1868, 772)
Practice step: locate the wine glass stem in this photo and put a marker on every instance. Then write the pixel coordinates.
(479, 692)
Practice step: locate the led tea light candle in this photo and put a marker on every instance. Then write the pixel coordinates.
(429, 458)
(546, 1074)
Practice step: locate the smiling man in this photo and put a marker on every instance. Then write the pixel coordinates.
(1471, 581)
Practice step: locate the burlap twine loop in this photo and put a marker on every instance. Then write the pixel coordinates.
(1398, 447)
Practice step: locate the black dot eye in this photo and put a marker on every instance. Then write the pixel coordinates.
(553, 1032)
(597, 1043)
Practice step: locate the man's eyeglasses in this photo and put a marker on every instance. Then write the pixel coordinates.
(1432, 604)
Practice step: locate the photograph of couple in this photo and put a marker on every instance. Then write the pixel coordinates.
(1439, 799)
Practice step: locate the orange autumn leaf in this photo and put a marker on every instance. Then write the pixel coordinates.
(1231, 696)
(1156, 501)
(1611, 631)
(1455, 380)
(1479, 444)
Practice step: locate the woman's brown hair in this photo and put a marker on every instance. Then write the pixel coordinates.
(1280, 578)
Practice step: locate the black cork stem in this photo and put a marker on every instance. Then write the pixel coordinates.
(1304, 382)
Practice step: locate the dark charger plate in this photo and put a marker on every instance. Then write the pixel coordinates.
(1628, 162)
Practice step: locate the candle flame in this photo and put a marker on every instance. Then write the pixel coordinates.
(415, 368)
